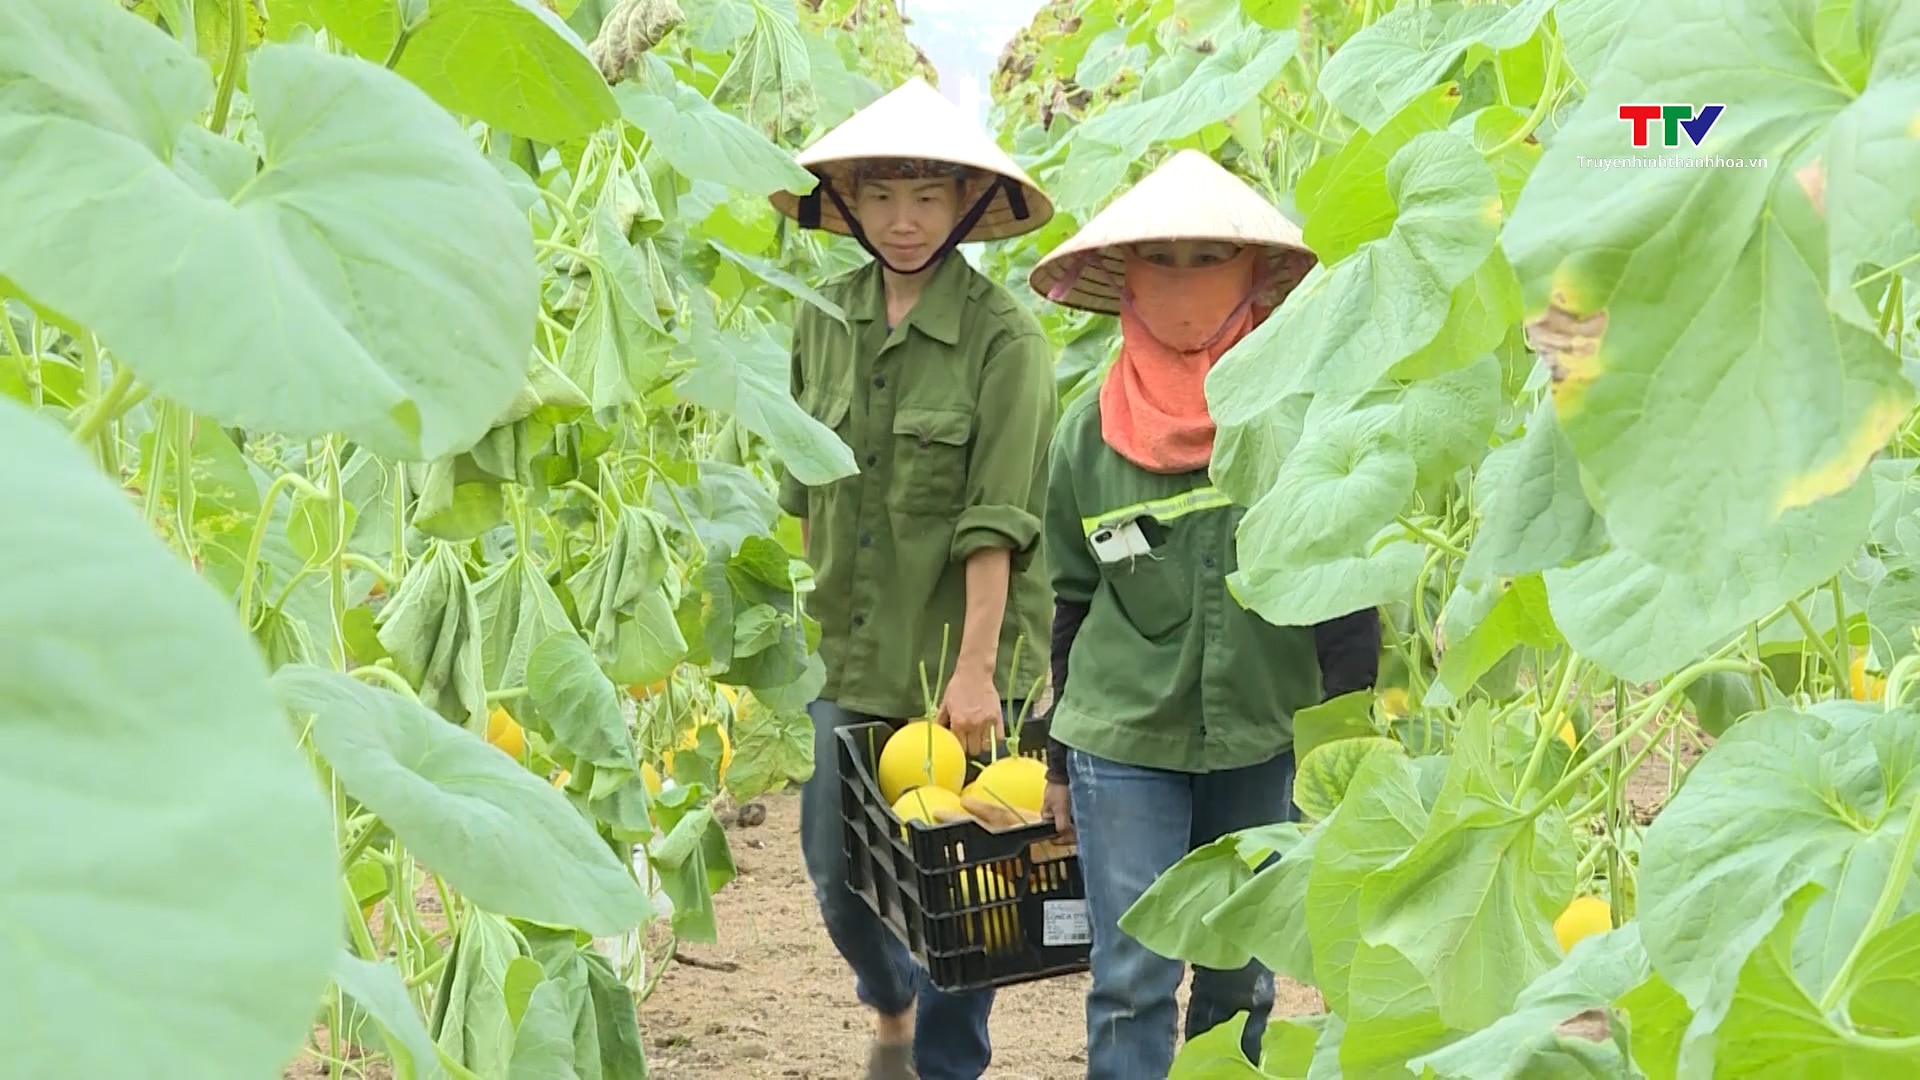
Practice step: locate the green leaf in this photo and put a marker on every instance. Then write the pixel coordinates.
(375, 254)
(500, 835)
(1647, 304)
(627, 593)
(471, 1023)
(572, 697)
(703, 143)
(543, 1040)
(1326, 772)
(1168, 916)
(1598, 970)
(1774, 1024)
(1268, 913)
(745, 374)
(1345, 481)
(724, 504)
(1641, 620)
(1534, 515)
(693, 863)
(772, 747)
(510, 63)
(1783, 800)
(1446, 421)
(431, 627)
(1305, 595)
(378, 990)
(1102, 148)
(1347, 324)
(1345, 195)
(1893, 610)
(518, 611)
(142, 756)
(782, 280)
(1873, 150)
(1471, 906)
(1216, 1054)
(1381, 818)
(1345, 717)
(1721, 698)
(1486, 623)
(1385, 66)
(1588, 30)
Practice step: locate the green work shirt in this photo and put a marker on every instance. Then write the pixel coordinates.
(949, 417)
(1168, 671)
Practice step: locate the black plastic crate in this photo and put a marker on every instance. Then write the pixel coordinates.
(1034, 928)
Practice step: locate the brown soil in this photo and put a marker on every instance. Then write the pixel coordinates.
(788, 1010)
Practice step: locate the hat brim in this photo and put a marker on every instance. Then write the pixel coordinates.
(1102, 273)
(1005, 217)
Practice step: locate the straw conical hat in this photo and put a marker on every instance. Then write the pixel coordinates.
(1190, 197)
(915, 121)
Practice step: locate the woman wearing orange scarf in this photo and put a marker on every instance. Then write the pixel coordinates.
(1173, 719)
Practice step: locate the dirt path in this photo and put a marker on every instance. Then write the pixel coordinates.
(789, 1010)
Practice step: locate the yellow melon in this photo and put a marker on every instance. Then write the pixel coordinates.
(925, 804)
(505, 733)
(1585, 917)
(1018, 782)
(918, 754)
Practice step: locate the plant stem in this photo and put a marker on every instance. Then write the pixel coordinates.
(1840, 631)
(399, 47)
(1429, 537)
(1548, 91)
(230, 75)
(260, 524)
(1651, 709)
(107, 408)
(390, 679)
(1819, 640)
(1899, 872)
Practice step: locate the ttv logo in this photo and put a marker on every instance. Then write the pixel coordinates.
(1673, 119)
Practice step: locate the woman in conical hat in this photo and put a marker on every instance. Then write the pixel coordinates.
(1175, 727)
(941, 384)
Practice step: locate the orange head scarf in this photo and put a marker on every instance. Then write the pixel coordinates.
(1175, 324)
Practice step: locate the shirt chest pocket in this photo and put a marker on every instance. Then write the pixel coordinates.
(929, 460)
(1154, 592)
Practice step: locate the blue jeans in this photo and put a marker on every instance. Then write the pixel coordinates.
(1134, 823)
(950, 1040)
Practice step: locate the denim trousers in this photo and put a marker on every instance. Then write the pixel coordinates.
(950, 1040)
(1134, 823)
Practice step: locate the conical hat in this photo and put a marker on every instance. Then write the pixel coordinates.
(915, 121)
(1189, 197)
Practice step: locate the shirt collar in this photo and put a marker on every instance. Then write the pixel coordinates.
(937, 312)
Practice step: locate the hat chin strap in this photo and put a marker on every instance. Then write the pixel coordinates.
(809, 217)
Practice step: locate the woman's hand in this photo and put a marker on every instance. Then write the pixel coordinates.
(1056, 805)
(971, 707)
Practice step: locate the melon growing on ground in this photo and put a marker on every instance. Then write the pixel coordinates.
(504, 732)
(918, 754)
(1585, 917)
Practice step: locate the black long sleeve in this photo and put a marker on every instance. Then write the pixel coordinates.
(1349, 651)
(1067, 617)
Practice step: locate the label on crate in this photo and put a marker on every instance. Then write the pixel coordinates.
(1065, 923)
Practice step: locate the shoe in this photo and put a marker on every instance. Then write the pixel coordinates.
(891, 1061)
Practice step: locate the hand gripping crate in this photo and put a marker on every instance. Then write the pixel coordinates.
(977, 907)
